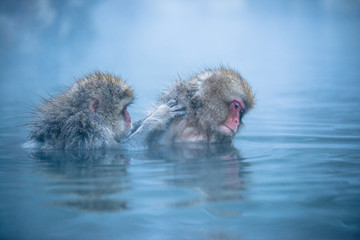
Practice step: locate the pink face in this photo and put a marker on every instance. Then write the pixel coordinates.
(232, 121)
(127, 118)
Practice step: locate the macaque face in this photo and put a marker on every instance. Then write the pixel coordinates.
(233, 120)
(116, 120)
(120, 122)
(95, 105)
(122, 126)
(127, 118)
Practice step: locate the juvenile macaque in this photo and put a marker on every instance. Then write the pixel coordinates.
(91, 114)
(216, 102)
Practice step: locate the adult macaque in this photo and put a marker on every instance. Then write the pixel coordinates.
(216, 102)
(91, 114)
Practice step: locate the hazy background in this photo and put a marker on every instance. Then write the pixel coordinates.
(283, 48)
(292, 173)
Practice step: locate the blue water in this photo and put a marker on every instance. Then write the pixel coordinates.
(291, 173)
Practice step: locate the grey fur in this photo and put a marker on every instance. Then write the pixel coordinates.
(66, 121)
(206, 96)
(155, 123)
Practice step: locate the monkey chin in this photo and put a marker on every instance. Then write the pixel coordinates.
(120, 136)
(227, 131)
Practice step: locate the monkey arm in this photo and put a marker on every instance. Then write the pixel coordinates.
(157, 121)
(135, 126)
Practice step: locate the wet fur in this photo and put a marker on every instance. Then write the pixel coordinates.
(207, 96)
(66, 122)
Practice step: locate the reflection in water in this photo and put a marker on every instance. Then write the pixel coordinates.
(85, 179)
(97, 180)
(215, 171)
(302, 140)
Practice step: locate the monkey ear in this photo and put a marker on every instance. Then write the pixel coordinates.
(94, 104)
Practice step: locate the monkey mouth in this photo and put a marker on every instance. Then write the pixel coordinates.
(227, 130)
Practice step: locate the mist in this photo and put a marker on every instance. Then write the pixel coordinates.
(277, 46)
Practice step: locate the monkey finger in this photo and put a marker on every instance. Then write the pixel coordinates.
(172, 102)
(177, 108)
(179, 113)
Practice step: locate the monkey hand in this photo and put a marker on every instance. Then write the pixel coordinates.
(164, 114)
(156, 122)
(169, 110)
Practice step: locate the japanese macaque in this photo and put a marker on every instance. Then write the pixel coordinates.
(92, 114)
(216, 102)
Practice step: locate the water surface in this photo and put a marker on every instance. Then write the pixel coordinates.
(291, 173)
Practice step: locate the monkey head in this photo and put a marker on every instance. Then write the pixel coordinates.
(225, 97)
(104, 99)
